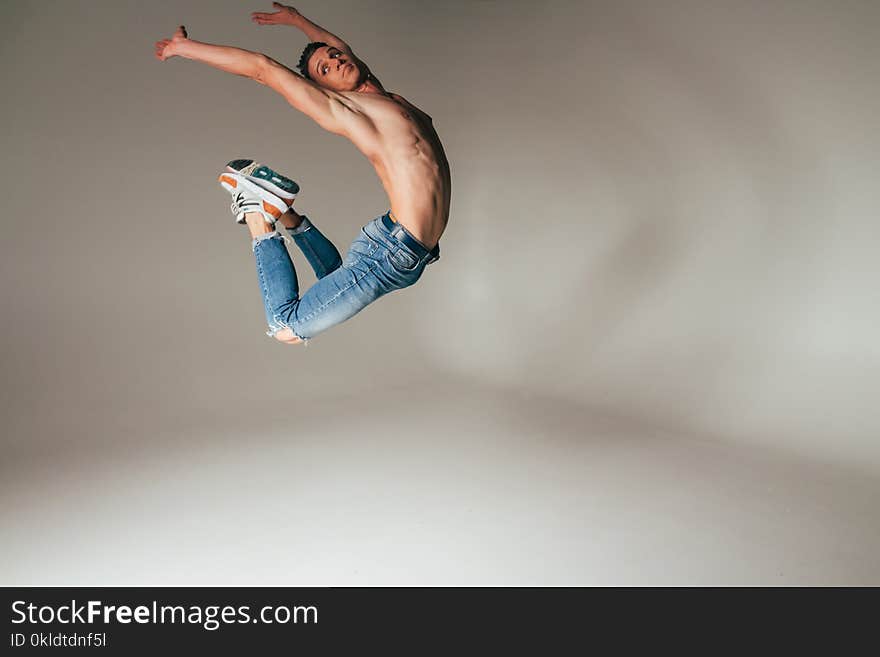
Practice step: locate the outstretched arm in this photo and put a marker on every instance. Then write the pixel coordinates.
(322, 105)
(290, 16)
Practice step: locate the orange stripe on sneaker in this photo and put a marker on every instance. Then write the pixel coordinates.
(232, 182)
(271, 209)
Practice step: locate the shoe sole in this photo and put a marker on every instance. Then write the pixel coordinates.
(272, 205)
(269, 179)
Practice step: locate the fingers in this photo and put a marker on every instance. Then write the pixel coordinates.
(263, 18)
(160, 49)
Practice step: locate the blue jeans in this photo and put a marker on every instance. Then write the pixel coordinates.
(383, 258)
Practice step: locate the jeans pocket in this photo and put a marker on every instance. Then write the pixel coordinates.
(403, 260)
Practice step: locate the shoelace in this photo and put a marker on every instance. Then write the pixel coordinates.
(242, 204)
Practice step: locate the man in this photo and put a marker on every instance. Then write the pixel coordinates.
(339, 92)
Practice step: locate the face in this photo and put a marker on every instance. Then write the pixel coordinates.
(334, 69)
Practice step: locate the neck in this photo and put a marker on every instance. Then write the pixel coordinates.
(370, 86)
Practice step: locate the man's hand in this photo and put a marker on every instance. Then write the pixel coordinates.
(166, 47)
(284, 16)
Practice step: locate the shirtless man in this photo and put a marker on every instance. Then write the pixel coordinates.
(339, 92)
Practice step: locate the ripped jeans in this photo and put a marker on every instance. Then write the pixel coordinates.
(383, 258)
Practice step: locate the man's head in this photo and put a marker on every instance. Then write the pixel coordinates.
(331, 67)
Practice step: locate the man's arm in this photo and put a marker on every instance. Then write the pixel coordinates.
(290, 16)
(322, 105)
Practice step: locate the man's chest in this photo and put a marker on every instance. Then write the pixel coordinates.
(384, 122)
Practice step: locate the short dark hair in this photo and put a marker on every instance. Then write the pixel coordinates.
(307, 53)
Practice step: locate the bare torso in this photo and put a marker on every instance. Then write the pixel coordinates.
(401, 143)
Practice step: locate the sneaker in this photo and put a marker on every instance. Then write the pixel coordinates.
(250, 197)
(282, 186)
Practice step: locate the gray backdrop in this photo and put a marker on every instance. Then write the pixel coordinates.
(663, 236)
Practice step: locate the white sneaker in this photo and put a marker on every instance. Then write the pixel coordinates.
(269, 179)
(247, 197)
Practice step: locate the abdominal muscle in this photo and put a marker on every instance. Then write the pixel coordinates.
(419, 195)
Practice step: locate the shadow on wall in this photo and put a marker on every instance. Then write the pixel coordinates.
(652, 227)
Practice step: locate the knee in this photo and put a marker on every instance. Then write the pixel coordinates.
(286, 336)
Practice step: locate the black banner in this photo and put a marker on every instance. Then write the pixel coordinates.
(414, 620)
